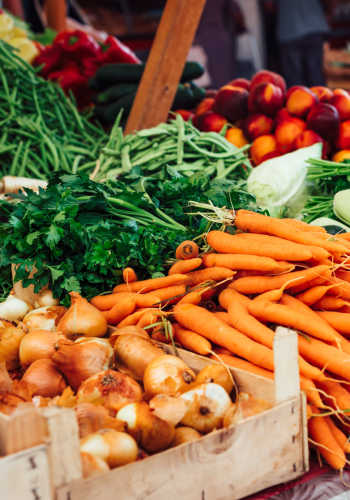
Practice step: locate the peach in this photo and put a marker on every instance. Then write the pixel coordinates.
(209, 121)
(281, 115)
(232, 103)
(341, 100)
(287, 132)
(324, 120)
(300, 101)
(291, 89)
(205, 105)
(186, 115)
(240, 82)
(266, 98)
(307, 138)
(257, 124)
(235, 136)
(265, 76)
(324, 94)
(263, 148)
(340, 156)
(343, 139)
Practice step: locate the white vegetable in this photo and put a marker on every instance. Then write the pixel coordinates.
(13, 309)
(341, 205)
(280, 183)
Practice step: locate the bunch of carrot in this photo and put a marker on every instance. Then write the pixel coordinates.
(269, 272)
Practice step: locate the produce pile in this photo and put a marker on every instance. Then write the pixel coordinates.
(131, 402)
(15, 33)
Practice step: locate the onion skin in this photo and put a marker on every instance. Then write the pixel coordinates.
(167, 375)
(81, 359)
(135, 353)
(10, 339)
(82, 318)
(44, 318)
(116, 448)
(168, 408)
(13, 309)
(44, 379)
(216, 374)
(110, 388)
(92, 418)
(185, 435)
(92, 465)
(45, 299)
(37, 344)
(128, 330)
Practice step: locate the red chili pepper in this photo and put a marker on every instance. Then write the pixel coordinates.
(50, 58)
(114, 51)
(77, 44)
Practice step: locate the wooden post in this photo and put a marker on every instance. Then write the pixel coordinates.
(56, 13)
(285, 349)
(165, 64)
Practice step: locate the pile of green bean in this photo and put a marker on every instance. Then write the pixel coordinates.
(41, 130)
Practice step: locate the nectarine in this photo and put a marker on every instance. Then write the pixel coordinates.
(266, 98)
(343, 139)
(300, 101)
(263, 148)
(287, 132)
(324, 94)
(235, 136)
(341, 100)
(232, 103)
(265, 76)
(209, 121)
(324, 120)
(257, 124)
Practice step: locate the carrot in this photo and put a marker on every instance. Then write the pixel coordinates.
(133, 318)
(322, 280)
(185, 266)
(346, 236)
(343, 290)
(258, 244)
(129, 275)
(209, 326)
(148, 318)
(170, 292)
(239, 317)
(338, 320)
(192, 341)
(303, 226)
(337, 393)
(193, 297)
(340, 437)
(260, 284)
(330, 303)
(122, 309)
(257, 223)
(223, 316)
(106, 302)
(146, 299)
(314, 294)
(187, 250)
(327, 444)
(246, 262)
(343, 275)
(210, 274)
(152, 284)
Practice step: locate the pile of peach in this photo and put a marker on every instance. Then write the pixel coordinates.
(277, 120)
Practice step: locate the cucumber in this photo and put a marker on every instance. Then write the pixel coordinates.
(113, 109)
(117, 91)
(192, 70)
(111, 74)
(187, 96)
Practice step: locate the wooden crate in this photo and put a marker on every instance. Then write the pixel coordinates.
(337, 76)
(263, 450)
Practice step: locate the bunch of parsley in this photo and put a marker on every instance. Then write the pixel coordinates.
(78, 235)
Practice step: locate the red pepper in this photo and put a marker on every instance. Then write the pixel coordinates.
(115, 51)
(77, 44)
(70, 79)
(50, 58)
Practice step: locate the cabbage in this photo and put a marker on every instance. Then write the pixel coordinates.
(341, 205)
(279, 184)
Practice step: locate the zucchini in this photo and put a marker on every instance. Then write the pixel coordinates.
(117, 91)
(187, 96)
(111, 74)
(192, 70)
(124, 103)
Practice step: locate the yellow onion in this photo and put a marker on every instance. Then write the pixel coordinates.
(45, 298)
(82, 318)
(9, 402)
(13, 309)
(216, 374)
(153, 433)
(10, 339)
(92, 465)
(246, 406)
(5, 379)
(185, 435)
(110, 388)
(37, 344)
(208, 404)
(167, 374)
(44, 378)
(92, 418)
(116, 448)
(44, 318)
(128, 330)
(83, 358)
(168, 408)
(135, 353)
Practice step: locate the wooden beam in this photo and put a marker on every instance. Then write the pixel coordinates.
(56, 12)
(165, 64)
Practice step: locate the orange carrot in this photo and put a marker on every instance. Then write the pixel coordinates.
(340, 437)
(187, 250)
(314, 294)
(152, 284)
(192, 297)
(343, 275)
(106, 302)
(337, 393)
(148, 318)
(346, 236)
(258, 244)
(330, 303)
(210, 274)
(328, 446)
(223, 316)
(129, 275)
(146, 299)
(338, 320)
(257, 223)
(122, 309)
(133, 318)
(206, 324)
(322, 280)
(246, 262)
(260, 284)
(185, 266)
(192, 341)
(343, 290)
(170, 292)
(303, 226)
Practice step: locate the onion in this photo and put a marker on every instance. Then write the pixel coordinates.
(185, 435)
(135, 353)
(208, 404)
(92, 465)
(216, 374)
(153, 433)
(246, 406)
(13, 309)
(9, 402)
(83, 358)
(111, 389)
(10, 339)
(5, 379)
(128, 330)
(45, 298)
(116, 448)
(82, 318)
(167, 374)
(37, 344)
(44, 318)
(44, 378)
(92, 418)
(168, 408)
